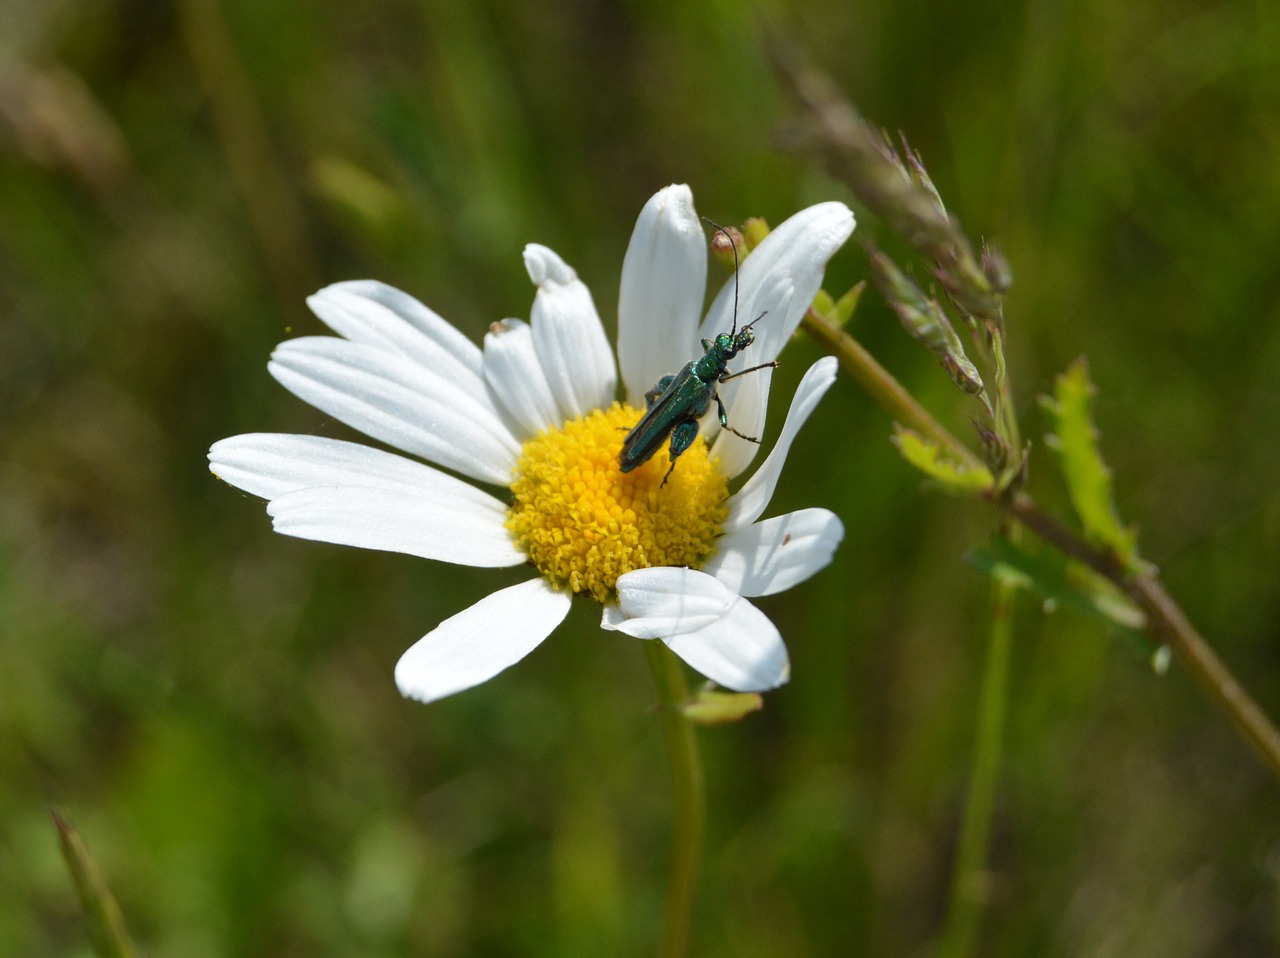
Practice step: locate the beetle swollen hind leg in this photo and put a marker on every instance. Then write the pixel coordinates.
(682, 437)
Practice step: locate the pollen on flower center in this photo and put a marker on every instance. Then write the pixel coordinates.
(584, 522)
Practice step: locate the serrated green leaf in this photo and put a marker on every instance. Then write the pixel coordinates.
(927, 456)
(1066, 584)
(1088, 479)
(103, 918)
(714, 707)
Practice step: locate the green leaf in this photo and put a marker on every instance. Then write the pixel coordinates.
(103, 918)
(1088, 479)
(824, 305)
(847, 304)
(1062, 583)
(838, 311)
(927, 456)
(714, 707)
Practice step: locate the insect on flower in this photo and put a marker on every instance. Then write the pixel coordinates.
(534, 411)
(678, 401)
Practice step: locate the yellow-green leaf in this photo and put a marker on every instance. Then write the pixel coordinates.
(838, 311)
(715, 707)
(1088, 479)
(844, 307)
(927, 456)
(1065, 584)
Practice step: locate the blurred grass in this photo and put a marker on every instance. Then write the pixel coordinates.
(214, 704)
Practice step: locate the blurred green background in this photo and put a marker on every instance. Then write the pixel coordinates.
(213, 703)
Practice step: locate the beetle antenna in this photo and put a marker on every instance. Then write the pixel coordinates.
(734, 246)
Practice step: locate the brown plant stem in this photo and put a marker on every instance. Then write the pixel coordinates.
(1165, 619)
(1166, 622)
(883, 387)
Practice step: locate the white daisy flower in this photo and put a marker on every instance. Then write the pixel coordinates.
(535, 412)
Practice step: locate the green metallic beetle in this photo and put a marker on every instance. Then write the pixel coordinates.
(678, 401)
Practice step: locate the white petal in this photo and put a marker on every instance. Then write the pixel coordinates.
(271, 464)
(742, 651)
(746, 399)
(612, 617)
(365, 310)
(568, 337)
(664, 281)
(514, 374)
(662, 601)
(798, 250)
(750, 501)
(712, 628)
(772, 556)
(441, 527)
(390, 398)
(379, 315)
(478, 643)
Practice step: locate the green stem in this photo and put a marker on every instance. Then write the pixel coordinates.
(103, 919)
(1168, 624)
(968, 878)
(688, 796)
(883, 387)
(1166, 620)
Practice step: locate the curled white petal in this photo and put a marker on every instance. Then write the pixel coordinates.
(391, 398)
(567, 335)
(612, 617)
(664, 600)
(746, 398)
(366, 311)
(478, 643)
(271, 464)
(514, 374)
(742, 651)
(442, 527)
(798, 249)
(664, 281)
(773, 555)
(711, 627)
(750, 501)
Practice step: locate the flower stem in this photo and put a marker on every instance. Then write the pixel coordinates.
(1166, 620)
(883, 387)
(688, 796)
(1168, 623)
(968, 885)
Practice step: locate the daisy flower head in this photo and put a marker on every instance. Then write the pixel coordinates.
(671, 558)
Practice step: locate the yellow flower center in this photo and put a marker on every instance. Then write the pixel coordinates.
(584, 522)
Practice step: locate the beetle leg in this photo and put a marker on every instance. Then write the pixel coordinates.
(724, 421)
(658, 389)
(682, 437)
(743, 372)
